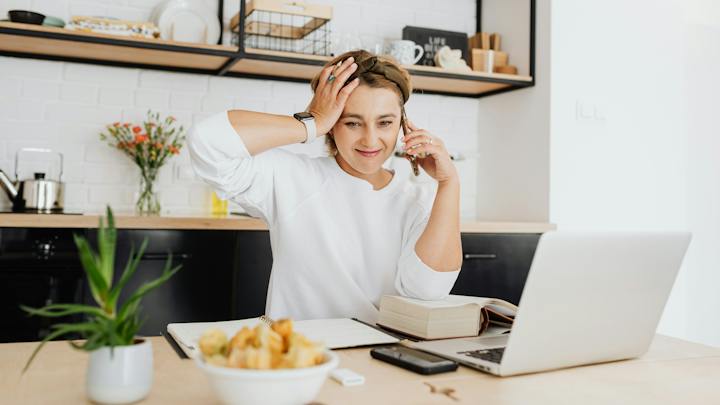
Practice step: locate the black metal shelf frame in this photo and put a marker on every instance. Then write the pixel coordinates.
(236, 56)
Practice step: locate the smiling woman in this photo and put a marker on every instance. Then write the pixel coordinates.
(344, 230)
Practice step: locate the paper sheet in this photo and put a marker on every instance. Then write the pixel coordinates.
(333, 333)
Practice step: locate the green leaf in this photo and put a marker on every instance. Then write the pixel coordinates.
(107, 238)
(58, 310)
(128, 272)
(49, 337)
(98, 286)
(130, 306)
(60, 330)
(97, 342)
(78, 327)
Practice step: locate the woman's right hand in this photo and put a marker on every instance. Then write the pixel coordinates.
(330, 97)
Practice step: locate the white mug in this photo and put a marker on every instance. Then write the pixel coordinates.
(404, 51)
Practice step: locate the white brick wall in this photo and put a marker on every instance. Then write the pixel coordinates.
(64, 106)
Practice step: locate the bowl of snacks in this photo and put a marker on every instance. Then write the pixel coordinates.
(267, 364)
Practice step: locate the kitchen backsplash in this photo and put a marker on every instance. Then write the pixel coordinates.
(64, 106)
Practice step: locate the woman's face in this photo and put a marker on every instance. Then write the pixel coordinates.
(366, 133)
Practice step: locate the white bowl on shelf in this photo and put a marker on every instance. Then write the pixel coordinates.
(236, 386)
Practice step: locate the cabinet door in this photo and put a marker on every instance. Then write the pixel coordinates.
(253, 262)
(200, 291)
(495, 265)
(37, 267)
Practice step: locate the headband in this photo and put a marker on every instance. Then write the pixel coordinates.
(390, 72)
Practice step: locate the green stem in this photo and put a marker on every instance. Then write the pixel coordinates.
(147, 202)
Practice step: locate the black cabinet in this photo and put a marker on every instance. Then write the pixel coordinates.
(253, 262)
(37, 267)
(40, 267)
(495, 265)
(225, 274)
(200, 291)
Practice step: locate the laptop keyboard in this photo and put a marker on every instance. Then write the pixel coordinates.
(491, 355)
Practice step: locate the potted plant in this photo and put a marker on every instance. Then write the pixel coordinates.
(120, 369)
(149, 145)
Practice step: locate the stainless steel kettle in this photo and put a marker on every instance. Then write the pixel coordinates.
(37, 194)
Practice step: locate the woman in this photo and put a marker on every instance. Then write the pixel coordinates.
(344, 230)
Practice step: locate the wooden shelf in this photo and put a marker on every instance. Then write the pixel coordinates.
(54, 43)
(429, 79)
(41, 42)
(273, 64)
(438, 80)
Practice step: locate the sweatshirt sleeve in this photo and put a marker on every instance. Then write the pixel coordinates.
(222, 160)
(414, 278)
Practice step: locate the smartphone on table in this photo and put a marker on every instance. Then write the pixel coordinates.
(413, 360)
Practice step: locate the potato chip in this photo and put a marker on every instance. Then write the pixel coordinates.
(263, 347)
(284, 328)
(213, 341)
(242, 338)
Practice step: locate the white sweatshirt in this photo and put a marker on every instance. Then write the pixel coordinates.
(337, 244)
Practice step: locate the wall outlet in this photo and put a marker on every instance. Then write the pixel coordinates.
(589, 112)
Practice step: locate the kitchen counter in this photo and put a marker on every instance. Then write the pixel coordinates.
(672, 372)
(232, 222)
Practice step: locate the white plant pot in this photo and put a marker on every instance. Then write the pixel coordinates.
(120, 377)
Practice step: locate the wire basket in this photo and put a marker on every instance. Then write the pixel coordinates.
(288, 26)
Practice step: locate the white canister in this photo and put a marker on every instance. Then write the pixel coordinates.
(404, 51)
(122, 376)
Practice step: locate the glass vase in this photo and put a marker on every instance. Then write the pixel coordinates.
(148, 202)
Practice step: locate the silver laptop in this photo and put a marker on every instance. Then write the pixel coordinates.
(589, 298)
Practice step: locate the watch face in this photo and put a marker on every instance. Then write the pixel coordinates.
(303, 116)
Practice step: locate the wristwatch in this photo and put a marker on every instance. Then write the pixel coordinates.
(309, 121)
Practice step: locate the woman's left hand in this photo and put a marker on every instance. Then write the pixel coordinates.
(436, 160)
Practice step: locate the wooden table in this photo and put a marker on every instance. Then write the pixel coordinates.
(672, 372)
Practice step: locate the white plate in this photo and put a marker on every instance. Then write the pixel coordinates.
(158, 10)
(187, 20)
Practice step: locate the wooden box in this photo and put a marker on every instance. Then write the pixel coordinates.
(481, 59)
(485, 40)
(481, 40)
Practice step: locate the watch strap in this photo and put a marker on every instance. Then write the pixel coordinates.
(309, 122)
(310, 130)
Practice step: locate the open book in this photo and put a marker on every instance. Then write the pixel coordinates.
(333, 333)
(455, 316)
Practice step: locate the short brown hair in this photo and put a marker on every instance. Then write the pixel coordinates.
(374, 71)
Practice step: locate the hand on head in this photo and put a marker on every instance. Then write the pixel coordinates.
(331, 94)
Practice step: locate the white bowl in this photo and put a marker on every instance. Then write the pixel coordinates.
(236, 386)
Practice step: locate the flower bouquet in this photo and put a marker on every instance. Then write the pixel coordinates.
(149, 145)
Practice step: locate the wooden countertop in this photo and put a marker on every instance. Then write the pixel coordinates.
(232, 222)
(672, 372)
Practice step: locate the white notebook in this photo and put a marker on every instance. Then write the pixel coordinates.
(333, 333)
